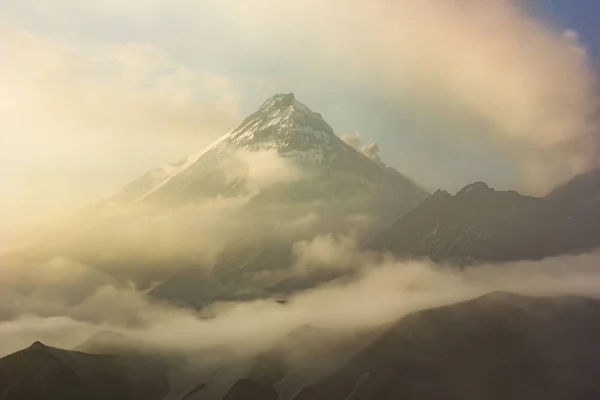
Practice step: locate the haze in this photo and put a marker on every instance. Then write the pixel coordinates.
(452, 92)
(210, 178)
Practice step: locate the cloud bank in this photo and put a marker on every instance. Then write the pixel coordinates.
(141, 242)
(377, 290)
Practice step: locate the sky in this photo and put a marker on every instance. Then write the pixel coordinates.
(94, 94)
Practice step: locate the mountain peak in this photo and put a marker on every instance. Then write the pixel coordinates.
(282, 102)
(279, 100)
(475, 188)
(284, 124)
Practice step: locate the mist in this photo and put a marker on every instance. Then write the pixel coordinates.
(104, 113)
(141, 243)
(375, 290)
(135, 218)
(93, 272)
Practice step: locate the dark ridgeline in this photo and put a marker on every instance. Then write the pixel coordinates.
(497, 347)
(45, 373)
(480, 224)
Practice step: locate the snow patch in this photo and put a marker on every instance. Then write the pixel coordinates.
(172, 170)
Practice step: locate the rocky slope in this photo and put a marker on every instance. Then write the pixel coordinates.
(480, 224)
(500, 346)
(47, 373)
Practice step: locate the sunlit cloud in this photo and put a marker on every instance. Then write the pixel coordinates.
(78, 120)
(378, 291)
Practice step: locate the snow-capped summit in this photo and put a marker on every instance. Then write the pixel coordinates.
(282, 100)
(284, 124)
(289, 129)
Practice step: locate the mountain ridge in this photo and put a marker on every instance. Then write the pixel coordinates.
(479, 224)
(497, 346)
(48, 373)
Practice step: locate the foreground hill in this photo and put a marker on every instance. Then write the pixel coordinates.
(500, 346)
(46, 373)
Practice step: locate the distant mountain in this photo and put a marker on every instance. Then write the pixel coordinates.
(288, 128)
(46, 373)
(497, 347)
(340, 183)
(579, 201)
(582, 192)
(481, 224)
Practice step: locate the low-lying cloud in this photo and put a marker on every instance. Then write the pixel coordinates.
(377, 291)
(135, 240)
(369, 150)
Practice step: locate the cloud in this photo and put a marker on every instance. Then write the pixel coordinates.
(369, 150)
(262, 169)
(325, 252)
(79, 119)
(145, 243)
(56, 279)
(377, 291)
(129, 88)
